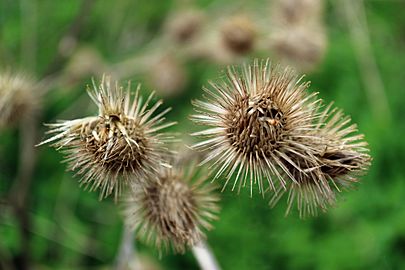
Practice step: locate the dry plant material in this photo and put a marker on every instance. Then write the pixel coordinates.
(184, 25)
(239, 34)
(167, 76)
(265, 127)
(122, 144)
(289, 12)
(18, 98)
(302, 46)
(173, 210)
(342, 157)
(298, 37)
(256, 117)
(85, 61)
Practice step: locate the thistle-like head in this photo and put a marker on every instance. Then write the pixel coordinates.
(174, 209)
(263, 126)
(340, 157)
(17, 98)
(255, 118)
(122, 145)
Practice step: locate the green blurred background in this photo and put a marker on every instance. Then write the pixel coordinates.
(70, 229)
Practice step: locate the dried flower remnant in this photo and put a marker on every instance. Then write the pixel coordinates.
(167, 75)
(122, 145)
(85, 61)
(238, 34)
(288, 12)
(300, 46)
(257, 118)
(173, 209)
(341, 158)
(17, 98)
(183, 26)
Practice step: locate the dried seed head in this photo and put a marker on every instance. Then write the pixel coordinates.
(343, 152)
(300, 46)
(311, 192)
(167, 76)
(173, 209)
(265, 126)
(17, 98)
(341, 157)
(239, 34)
(257, 118)
(120, 145)
(86, 61)
(288, 12)
(182, 26)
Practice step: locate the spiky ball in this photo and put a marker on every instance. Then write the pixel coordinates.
(302, 46)
(122, 145)
(18, 98)
(172, 210)
(263, 125)
(257, 117)
(289, 12)
(238, 34)
(341, 157)
(182, 26)
(167, 75)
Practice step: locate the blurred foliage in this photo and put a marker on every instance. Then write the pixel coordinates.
(71, 229)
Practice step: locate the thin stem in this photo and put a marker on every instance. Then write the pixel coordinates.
(19, 192)
(205, 257)
(69, 40)
(358, 27)
(29, 21)
(126, 253)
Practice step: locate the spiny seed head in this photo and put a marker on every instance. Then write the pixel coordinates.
(341, 157)
(239, 34)
(263, 125)
(302, 46)
(289, 12)
(17, 98)
(257, 117)
(86, 61)
(167, 75)
(121, 145)
(173, 209)
(182, 26)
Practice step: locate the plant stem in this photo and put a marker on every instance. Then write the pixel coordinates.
(360, 37)
(19, 192)
(126, 253)
(205, 257)
(29, 27)
(70, 38)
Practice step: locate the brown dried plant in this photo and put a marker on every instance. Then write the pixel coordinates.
(263, 125)
(174, 208)
(298, 36)
(341, 158)
(239, 34)
(256, 117)
(302, 46)
(184, 24)
(122, 144)
(18, 98)
(289, 12)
